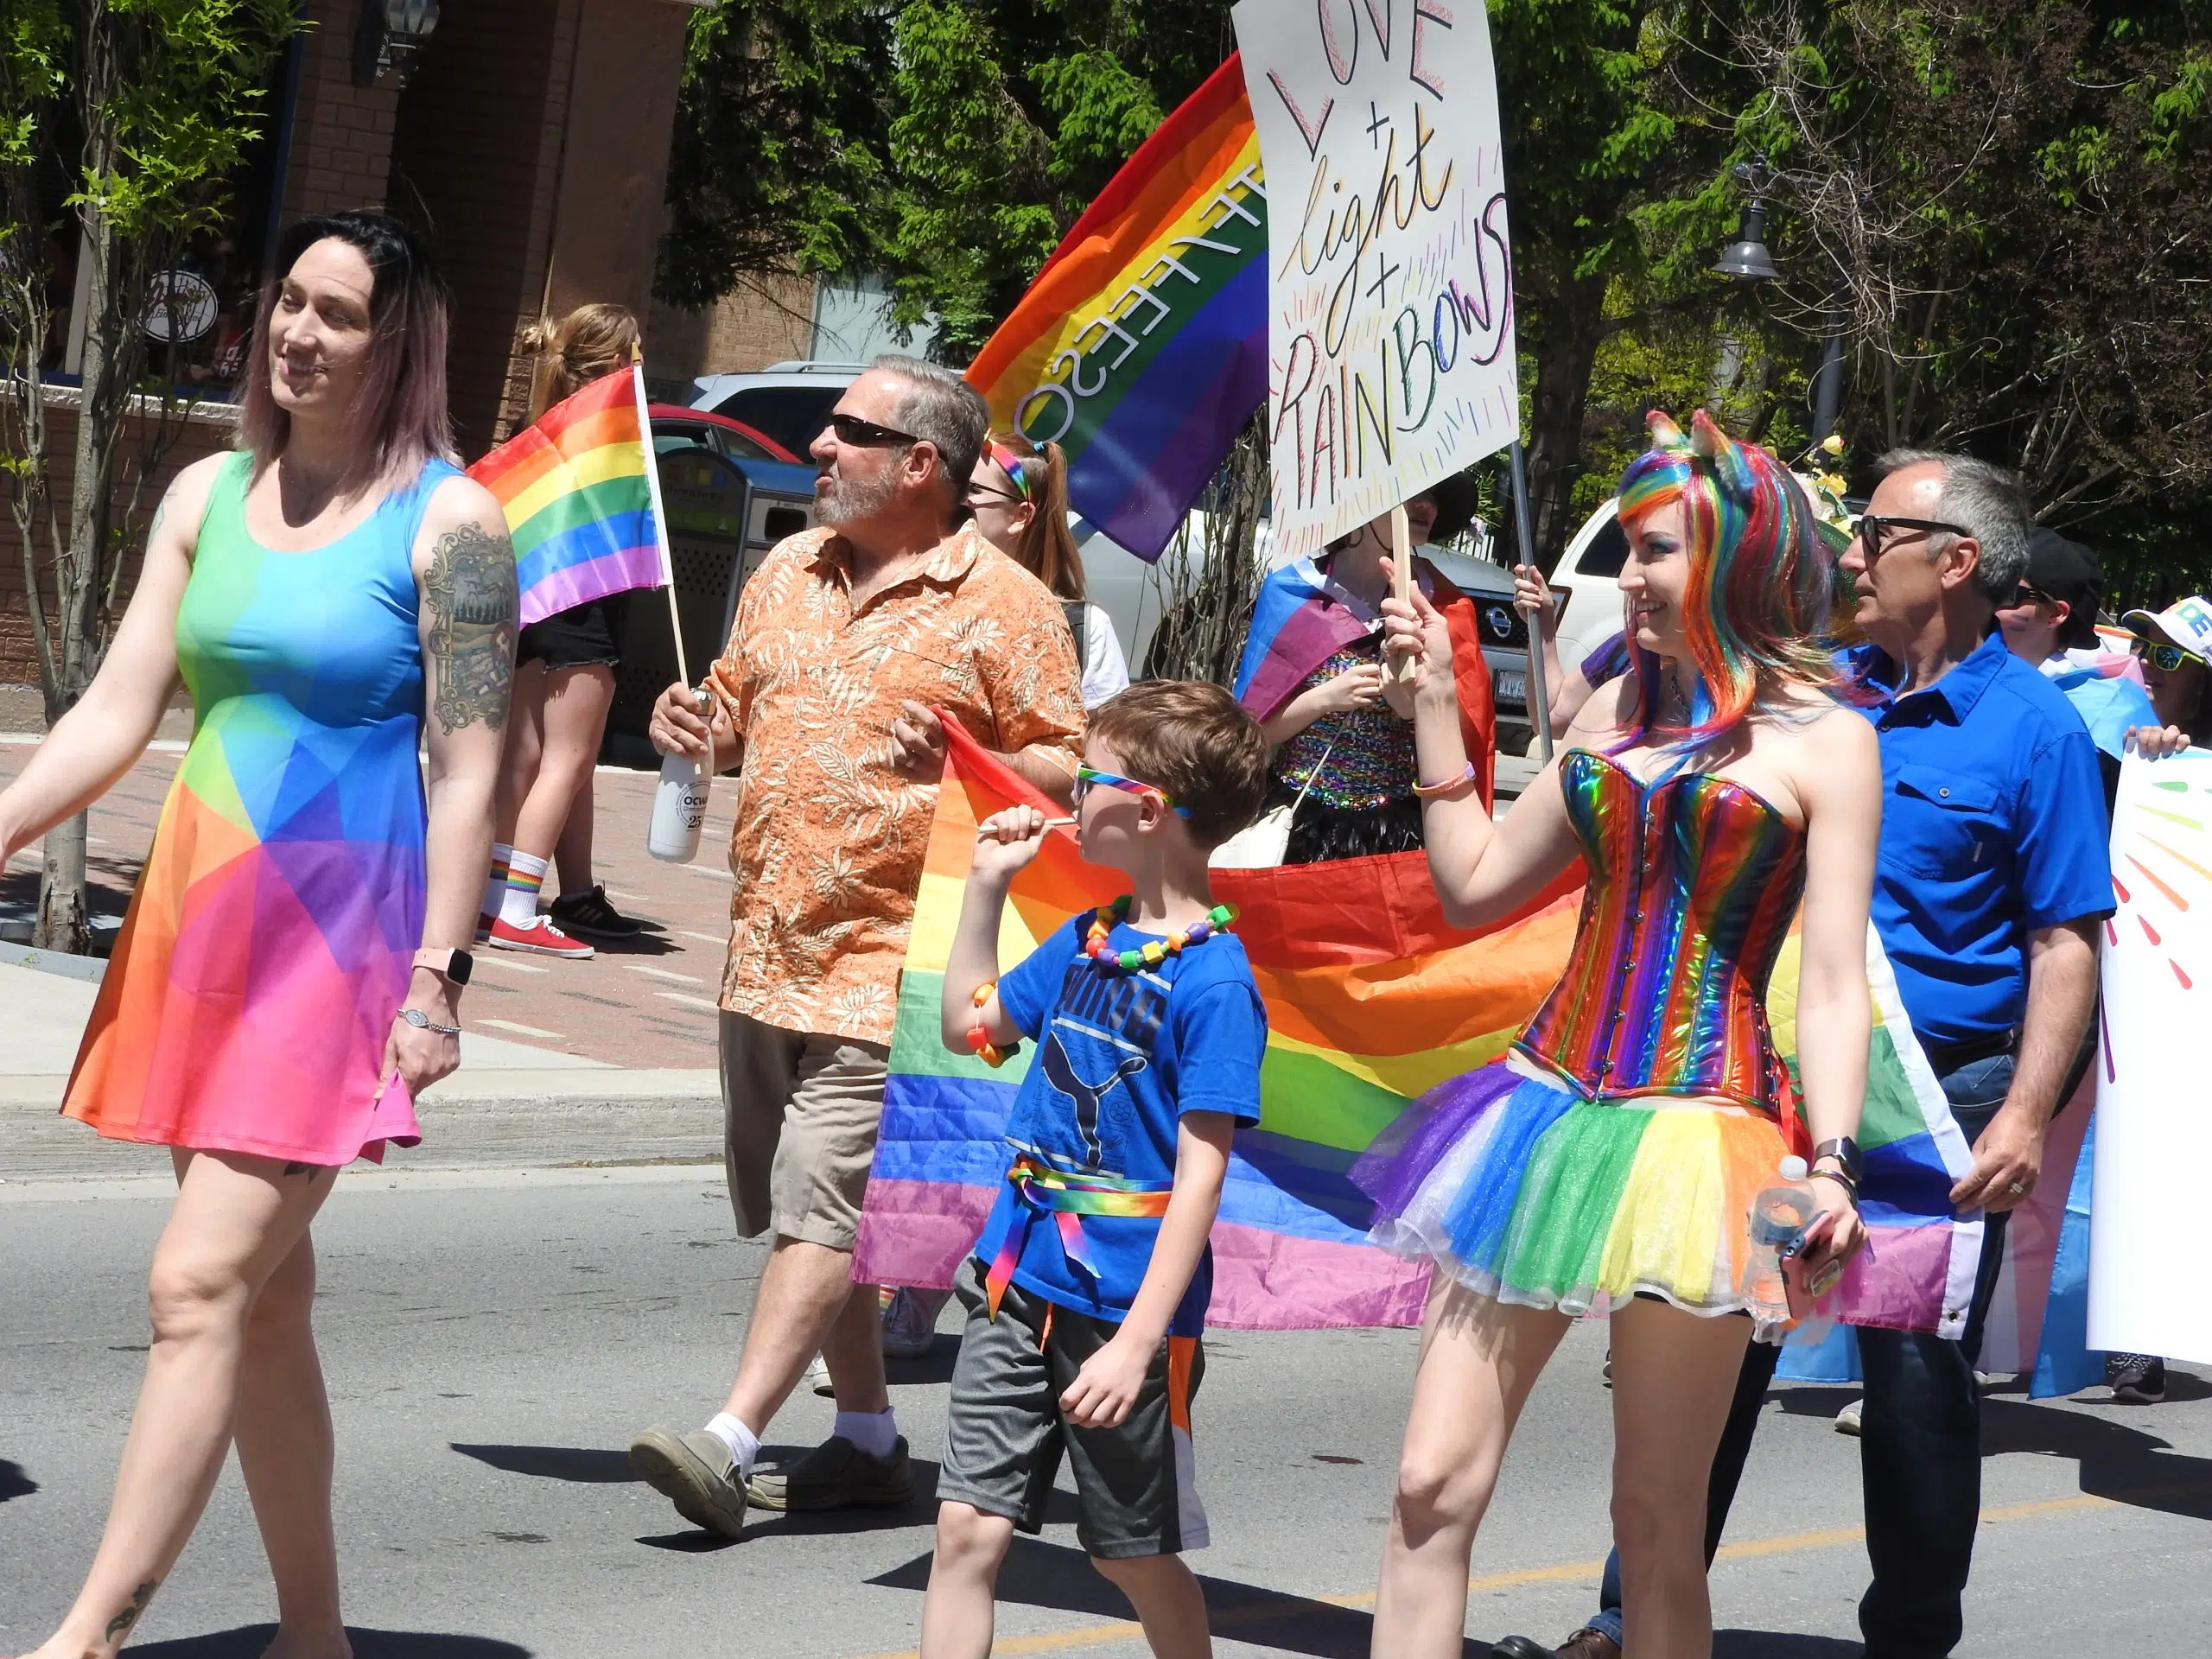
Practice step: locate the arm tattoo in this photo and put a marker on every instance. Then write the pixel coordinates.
(471, 591)
(139, 1597)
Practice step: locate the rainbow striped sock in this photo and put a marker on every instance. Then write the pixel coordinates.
(495, 887)
(526, 875)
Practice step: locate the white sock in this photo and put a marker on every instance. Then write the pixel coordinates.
(744, 1445)
(874, 1431)
(495, 887)
(525, 875)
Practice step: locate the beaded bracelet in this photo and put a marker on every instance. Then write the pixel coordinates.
(979, 1039)
(1430, 791)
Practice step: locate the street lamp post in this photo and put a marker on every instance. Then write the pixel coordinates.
(1747, 260)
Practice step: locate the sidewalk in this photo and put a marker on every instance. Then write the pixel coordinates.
(609, 1060)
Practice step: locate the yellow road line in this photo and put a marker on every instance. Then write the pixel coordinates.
(1279, 1606)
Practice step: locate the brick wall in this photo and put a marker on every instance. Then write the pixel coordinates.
(769, 319)
(474, 164)
(186, 443)
(341, 133)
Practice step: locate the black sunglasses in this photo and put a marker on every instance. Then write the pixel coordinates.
(1873, 531)
(866, 435)
(2027, 594)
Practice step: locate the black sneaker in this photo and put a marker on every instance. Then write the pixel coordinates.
(589, 913)
(2136, 1379)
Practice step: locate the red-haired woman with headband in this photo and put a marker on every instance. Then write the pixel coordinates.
(1019, 496)
(1608, 1163)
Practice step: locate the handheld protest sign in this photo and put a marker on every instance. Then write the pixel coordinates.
(1401, 576)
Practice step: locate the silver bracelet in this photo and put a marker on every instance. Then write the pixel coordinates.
(423, 1021)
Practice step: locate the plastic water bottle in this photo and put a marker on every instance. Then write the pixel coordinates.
(1779, 1214)
(679, 805)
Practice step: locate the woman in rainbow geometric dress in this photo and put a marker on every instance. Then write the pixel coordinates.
(269, 1014)
(1609, 1162)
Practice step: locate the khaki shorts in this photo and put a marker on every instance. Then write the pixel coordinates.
(799, 1116)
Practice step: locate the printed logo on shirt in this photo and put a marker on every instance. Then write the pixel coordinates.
(1121, 1012)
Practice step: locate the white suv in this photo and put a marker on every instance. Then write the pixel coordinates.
(790, 402)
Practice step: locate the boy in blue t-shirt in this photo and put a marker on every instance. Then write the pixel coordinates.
(1089, 1287)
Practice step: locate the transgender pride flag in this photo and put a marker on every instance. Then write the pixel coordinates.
(1371, 999)
(582, 498)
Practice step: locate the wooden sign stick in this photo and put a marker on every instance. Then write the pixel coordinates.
(1402, 576)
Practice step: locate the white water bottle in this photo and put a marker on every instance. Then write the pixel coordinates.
(679, 805)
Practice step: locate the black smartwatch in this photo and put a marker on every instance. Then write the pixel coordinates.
(1844, 1151)
(456, 965)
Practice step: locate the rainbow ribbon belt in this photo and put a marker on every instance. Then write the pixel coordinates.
(1067, 1198)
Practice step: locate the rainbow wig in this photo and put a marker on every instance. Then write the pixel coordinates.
(1767, 598)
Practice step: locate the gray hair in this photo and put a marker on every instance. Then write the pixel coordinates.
(1988, 502)
(941, 407)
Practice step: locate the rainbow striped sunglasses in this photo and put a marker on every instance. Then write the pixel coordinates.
(1085, 777)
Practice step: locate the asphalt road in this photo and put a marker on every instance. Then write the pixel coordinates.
(493, 1338)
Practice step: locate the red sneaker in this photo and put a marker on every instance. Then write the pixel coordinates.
(540, 937)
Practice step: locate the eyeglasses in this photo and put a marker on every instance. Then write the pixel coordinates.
(2027, 593)
(979, 494)
(1873, 533)
(1085, 777)
(2167, 659)
(866, 435)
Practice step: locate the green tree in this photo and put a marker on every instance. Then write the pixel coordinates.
(142, 108)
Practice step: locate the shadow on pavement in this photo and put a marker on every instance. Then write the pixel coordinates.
(553, 1462)
(13, 1483)
(935, 1366)
(1775, 1644)
(249, 1640)
(2118, 1460)
(1038, 1574)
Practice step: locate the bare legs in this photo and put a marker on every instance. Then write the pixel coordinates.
(958, 1612)
(572, 852)
(1674, 1379)
(1478, 1360)
(559, 717)
(808, 1304)
(1673, 1375)
(232, 1280)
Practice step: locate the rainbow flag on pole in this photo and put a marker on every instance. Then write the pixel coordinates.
(1142, 346)
(1371, 1000)
(582, 500)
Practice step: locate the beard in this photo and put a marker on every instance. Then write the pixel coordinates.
(846, 500)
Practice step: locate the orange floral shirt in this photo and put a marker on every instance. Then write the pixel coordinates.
(827, 851)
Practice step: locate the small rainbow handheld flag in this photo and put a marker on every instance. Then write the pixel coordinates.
(1142, 346)
(582, 503)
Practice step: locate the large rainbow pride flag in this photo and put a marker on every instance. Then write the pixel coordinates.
(581, 499)
(1371, 1000)
(1142, 346)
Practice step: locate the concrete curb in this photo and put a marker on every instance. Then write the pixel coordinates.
(491, 1119)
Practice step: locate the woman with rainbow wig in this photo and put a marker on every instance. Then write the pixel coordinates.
(1608, 1163)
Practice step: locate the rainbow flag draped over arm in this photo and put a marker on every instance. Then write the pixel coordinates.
(582, 498)
(1142, 346)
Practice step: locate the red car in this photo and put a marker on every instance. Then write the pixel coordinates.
(675, 424)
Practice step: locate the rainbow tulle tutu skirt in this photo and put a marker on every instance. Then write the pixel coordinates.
(1528, 1191)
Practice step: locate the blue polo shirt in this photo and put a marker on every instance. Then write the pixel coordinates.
(1993, 824)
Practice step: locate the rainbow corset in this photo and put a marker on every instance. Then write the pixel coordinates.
(1693, 883)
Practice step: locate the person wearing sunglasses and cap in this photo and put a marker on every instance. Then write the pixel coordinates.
(853, 642)
(2049, 621)
(2173, 649)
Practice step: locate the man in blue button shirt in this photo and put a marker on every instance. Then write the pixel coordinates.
(1990, 875)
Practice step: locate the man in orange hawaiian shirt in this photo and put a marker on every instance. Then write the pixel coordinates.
(846, 638)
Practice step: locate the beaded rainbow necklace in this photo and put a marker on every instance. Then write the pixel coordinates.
(1103, 922)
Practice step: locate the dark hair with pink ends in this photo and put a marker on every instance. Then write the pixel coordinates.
(400, 410)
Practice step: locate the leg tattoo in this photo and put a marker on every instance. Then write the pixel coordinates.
(123, 1621)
